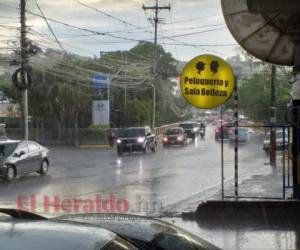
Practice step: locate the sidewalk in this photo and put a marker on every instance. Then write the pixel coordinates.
(252, 223)
(260, 187)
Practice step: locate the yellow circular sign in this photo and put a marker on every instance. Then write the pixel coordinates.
(207, 81)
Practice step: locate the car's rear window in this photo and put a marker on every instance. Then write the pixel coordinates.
(173, 131)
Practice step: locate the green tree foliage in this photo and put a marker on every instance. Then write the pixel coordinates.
(139, 112)
(255, 96)
(166, 65)
(61, 93)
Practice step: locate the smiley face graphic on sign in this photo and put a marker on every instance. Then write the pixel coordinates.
(207, 81)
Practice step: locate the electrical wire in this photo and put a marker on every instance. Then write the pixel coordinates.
(191, 34)
(142, 28)
(50, 28)
(125, 38)
(142, 73)
(204, 45)
(85, 29)
(111, 16)
(193, 19)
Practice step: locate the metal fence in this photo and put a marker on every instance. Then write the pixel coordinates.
(71, 136)
(68, 136)
(263, 181)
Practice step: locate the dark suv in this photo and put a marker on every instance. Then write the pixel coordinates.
(138, 139)
(190, 128)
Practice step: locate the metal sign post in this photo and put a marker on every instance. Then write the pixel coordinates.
(283, 165)
(273, 118)
(236, 139)
(222, 154)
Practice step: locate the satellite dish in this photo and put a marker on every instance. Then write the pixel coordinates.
(266, 29)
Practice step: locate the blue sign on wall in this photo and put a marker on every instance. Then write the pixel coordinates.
(100, 81)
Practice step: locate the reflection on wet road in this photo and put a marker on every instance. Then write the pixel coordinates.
(236, 238)
(150, 183)
(172, 180)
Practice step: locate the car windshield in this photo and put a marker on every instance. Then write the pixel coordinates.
(7, 149)
(132, 132)
(174, 131)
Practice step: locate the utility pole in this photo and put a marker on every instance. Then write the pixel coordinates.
(156, 9)
(273, 117)
(23, 65)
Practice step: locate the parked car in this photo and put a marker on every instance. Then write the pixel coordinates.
(23, 230)
(280, 142)
(144, 232)
(26, 231)
(174, 136)
(136, 139)
(227, 128)
(22, 157)
(190, 128)
(243, 135)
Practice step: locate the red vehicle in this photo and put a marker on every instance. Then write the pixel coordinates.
(227, 127)
(175, 136)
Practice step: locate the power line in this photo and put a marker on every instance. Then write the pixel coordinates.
(51, 30)
(144, 28)
(193, 19)
(119, 37)
(111, 16)
(203, 45)
(192, 33)
(193, 27)
(140, 72)
(84, 29)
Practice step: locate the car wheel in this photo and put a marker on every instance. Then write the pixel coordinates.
(10, 173)
(153, 149)
(44, 168)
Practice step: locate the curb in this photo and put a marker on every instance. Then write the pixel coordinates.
(263, 214)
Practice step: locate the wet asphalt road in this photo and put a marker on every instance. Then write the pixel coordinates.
(150, 184)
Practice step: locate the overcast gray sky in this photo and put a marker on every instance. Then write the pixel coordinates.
(190, 22)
